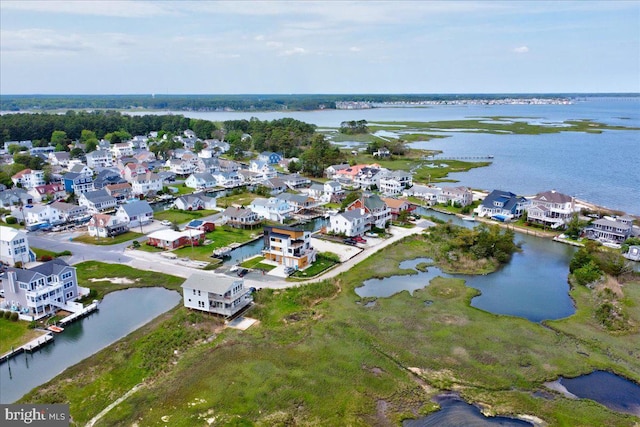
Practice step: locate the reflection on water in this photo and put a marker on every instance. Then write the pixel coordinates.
(614, 392)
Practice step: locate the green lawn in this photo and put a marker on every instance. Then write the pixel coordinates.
(104, 241)
(221, 236)
(316, 268)
(180, 217)
(15, 334)
(242, 199)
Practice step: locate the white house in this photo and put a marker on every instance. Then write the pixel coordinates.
(146, 183)
(121, 149)
(28, 178)
(41, 290)
(180, 166)
(216, 294)
(201, 181)
(227, 179)
(263, 168)
(14, 246)
(67, 212)
(453, 195)
(135, 213)
(38, 214)
(551, 208)
(194, 202)
(428, 194)
(103, 225)
(99, 159)
(97, 201)
(350, 223)
(394, 182)
(272, 209)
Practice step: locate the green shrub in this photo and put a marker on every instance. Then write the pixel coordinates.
(1, 314)
(32, 324)
(10, 220)
(14, 316)
(587, 274)
(6, 314)
(63, 253)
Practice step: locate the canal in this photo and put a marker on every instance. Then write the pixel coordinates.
(119, 314)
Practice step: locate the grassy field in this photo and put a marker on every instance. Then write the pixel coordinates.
(316, 268)
(105, 241)
(15, 334)
(221, 236)
(179, 217)
(321, 357)
(242, 199)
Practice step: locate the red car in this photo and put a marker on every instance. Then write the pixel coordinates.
(359, 239)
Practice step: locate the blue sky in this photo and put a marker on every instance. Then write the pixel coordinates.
(127, 47)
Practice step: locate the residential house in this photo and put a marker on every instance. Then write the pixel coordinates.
(37, 214)
(97, 201)
(121, 149)
(140, 142)
(350, 223)
(551, 208)
(228, 165)
(374, 206)
(369, 177)
(132, 170)
(208, 165)
(217, 146)
(299, 202)
(609, 230)
(428, 194)
(148, 183)
(249, 177)
(194, 202)
(290, 247)
(202, 225)
(241, 218)
(227, 179)
(393, 183)
(81, 169)
(332, 170)
(28, 144)
(270, 157)
(77, 183)
(59, 158)
(201, 181)
(37, 151)
(275, 185)
(396, 206)
(502, 205)
(103, 225)
(42, 289)
(121, 192)
(14, 246)
(67, 212)
(48, 192)
(99, 159)
(462, 196)
(295, 181)
(334, 191)
(263, 168)
(272, 209)
(382, 152)
(15, 196)
(28, 178)
(136, 213)
(145, 156)
(316, 191)
(180, 167)
(107, 177)
(217, 294)
(169, 239)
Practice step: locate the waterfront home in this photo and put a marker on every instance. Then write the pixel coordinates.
(207, 164)
(369, 177)
(228, 165)
(121, 192)
(551, 208)
(194, 202)
(428, 194)
(396, 206)
(382, 152)
(272, 209)
(97, 201)
(27, 143)
(146, 184)
(201, 181)
(169, 239)
(240, 217)
(180, 167)
(263, 168)
(392, 183)
(461, 196)
(330, 191)
(633, 253)
(81, 168)
(40, 290)
(133, 169)
(67, 212)
(502, 205)
(316, 191)
(609, 230)
(77, 183)
(103, 225)
(121, 149)
(28, 178)
(227, 179)
(48, 191)
(270, 157)
(249, 177)
(294, 181)
(59, 158)
(14, 246)
(202, 225)
(135, 213)
(38, 214)
(275, 185)
(287, 246)
(374, 206)
(107, 177)
(350, 223)
(217, 294)
(299, 202)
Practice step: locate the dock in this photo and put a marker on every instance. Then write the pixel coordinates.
(80, 314)
(29, 347)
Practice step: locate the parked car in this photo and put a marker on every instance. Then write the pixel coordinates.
(165, 222)
(360, 239)
(289, 270)
(370, 234)
(350, 241)
(242, 272)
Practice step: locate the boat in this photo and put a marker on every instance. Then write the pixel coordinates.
(56, 329)
(223, 252)
(468, 218)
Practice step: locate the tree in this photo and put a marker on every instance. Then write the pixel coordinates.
(350, 198)
(237, 146)
(294, 166)
(198, 146)
(59, 137)
(91, 145)
(76, 153)
(87, 135)
(320, 155)
(575, 226)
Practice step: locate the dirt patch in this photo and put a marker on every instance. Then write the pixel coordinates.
(611, 284)
(116, 280)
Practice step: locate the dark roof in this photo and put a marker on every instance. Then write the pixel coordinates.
(507, 198)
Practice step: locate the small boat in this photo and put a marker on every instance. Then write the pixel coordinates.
(56, 329)
(468, 218)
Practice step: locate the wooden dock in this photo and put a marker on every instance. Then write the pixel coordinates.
(29, 347)
(79, 314)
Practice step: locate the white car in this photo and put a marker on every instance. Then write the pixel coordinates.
(165, 222)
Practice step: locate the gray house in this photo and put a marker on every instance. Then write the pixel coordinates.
(135, 213)
(216, 294)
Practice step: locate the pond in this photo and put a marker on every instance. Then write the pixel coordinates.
(455, 413)
(613, 391)
(119, 314)
(532, 285)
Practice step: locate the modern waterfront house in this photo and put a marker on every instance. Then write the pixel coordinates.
(217, 294)
(288, 246)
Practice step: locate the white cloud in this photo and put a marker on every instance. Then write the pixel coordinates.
(259, 38)
(119, 8)
(274, 44)
(521, 49)
(355, 49)
(294, 51)
(37, 40)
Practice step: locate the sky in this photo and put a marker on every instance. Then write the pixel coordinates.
(300, 47)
